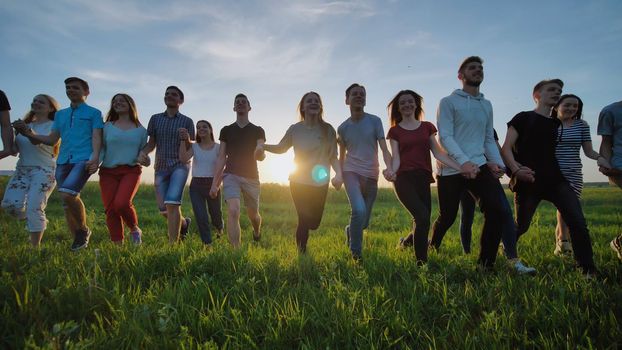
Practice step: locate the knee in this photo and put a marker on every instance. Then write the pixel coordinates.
(233, 211)
(359, 211)
(254, 215)
(120, 206)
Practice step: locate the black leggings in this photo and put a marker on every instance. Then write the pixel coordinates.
(309, 202)
(413, 190)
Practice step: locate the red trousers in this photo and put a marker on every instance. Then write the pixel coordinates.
(118, 187)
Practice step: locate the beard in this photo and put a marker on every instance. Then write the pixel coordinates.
(473, 83)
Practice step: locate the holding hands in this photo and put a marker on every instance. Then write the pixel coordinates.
(184, 135)
(525, 174)
(497, 170)
(469, 170)
(389, 175)
(337, 181)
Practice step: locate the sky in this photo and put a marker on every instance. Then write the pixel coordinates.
(276, 50)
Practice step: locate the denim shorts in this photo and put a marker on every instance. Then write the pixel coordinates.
(71, 178)
(234, 186)
(170, 185)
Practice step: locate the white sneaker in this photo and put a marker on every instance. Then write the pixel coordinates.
(563, 247)
(521, 268)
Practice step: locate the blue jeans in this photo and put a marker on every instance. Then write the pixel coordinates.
(361, 193)
(71, 178)
(169, 185)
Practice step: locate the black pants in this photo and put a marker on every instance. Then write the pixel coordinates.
(201, 203)
(413, 190)
(309, 202)
(526, 201)
(487, 190)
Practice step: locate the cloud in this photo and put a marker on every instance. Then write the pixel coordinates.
(317, 9)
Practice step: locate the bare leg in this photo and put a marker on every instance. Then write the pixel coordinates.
(253, 215)
(561, 230)
(35, 239)
(173, 212)
(75, 213)
(233, 221)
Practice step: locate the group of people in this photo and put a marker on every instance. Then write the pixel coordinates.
(540, 154)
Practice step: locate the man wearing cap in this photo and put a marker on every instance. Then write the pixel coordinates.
(80, 129)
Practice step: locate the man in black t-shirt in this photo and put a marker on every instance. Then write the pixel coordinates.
(5, 124)
(529, 152)
(240, 145)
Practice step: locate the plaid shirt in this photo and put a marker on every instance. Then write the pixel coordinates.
(165, 130)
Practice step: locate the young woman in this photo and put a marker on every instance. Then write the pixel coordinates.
(205, 152)
(28, 190)
(573, 135)
(315, 151)
(411, 141)
(119, 174)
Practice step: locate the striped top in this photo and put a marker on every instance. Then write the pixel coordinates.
(568, 152)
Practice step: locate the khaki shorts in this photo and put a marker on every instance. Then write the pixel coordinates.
(234, 186)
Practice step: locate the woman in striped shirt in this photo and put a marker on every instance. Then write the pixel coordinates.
(572, 135)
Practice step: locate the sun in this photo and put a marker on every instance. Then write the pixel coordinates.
(277, 167)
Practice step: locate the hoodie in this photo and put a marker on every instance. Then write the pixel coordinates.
(465, 130)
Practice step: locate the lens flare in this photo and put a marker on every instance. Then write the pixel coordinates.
(320, 174)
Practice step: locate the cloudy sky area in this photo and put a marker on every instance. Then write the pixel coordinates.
(276, 50)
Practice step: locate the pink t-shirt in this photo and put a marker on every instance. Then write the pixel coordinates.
(414, 146)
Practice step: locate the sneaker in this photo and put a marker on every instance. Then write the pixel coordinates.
(137, 237)
(521, 268)
(562, 248)
(400, 244)
(81, 240)
(257, 237)
(357, 257)
(616, 245)
(347, 230)
(184, 229)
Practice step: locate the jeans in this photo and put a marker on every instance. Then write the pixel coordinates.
(71, 178)
(169, 185)
(413, 190)
(118, 187)
(309, 201)
(566, 201)
(201, 203)
(489, 193)
(361, 193)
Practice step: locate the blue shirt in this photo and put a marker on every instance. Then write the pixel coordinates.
(75, 127)
(121, 147)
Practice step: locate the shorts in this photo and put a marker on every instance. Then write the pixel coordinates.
(233, 185)
(71, 178)
(170, 185)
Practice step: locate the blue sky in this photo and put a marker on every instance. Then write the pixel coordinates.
(274, 51)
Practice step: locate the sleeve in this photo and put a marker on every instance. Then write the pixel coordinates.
(332, 150)
(4, 102)
(379, 129)
(517, 122)
(261, 134)
(190, 128)
(445, 120)
(605, 123)
(143, 140)
(98, 121)
(223, 134)
(585, 132)
(432, 129)
(151, 127)
(491, 150)
(391, 133)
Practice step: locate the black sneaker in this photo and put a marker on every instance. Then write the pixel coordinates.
(256, 238)
(81, 240)
(183, 232)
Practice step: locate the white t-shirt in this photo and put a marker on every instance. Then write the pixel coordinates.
(204, 161)
(36, 155)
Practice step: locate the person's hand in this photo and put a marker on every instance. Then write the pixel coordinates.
(92, 165)
(525, 174)
(469, 170)
(497, 170)
(213, 191)
(388, 175)
(143, 159)
(337, 181)
(260, 154)
(603, 162)
(20, 126)
(183, 134)
(610, 171)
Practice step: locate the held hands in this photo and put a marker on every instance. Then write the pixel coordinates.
(337, 181)
(602, 162)
(213, 192)
(20, 126)
(525, 174)
(469, 170)
(496, 169)
(143, 159)
(92, 165)
(184, 135)
(260, 153)
(389, 175)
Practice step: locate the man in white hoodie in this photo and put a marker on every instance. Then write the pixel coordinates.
(465, 130)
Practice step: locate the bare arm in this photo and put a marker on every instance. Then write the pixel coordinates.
(440, 154)
(219, 169)
(279, 148)
(51, 139)
(522, 172)
(386, 155)
(185, 153)
(395, 159)
(96, 142)
(7, 134)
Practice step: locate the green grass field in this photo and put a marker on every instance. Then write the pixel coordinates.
(267, 296)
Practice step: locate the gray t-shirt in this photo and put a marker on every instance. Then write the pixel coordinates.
(36, 155)
(610, 124)
(314, 149)
(360, 138)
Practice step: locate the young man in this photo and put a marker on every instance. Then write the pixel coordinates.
(465, 128)
(5, 124)
(80, 129)
(240, 145)
(610, 162)
(358, 138)
(170, 173)
(529, 152)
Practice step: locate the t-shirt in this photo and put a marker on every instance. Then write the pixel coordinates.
(121, 147)
(535, 147)
(36, 155)
(240, 149)
(610, 124)
(568, 152)
(204, 160)
(360, 138)
(314, 149)
(414, 147)
(4, 102)
(75, 127)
